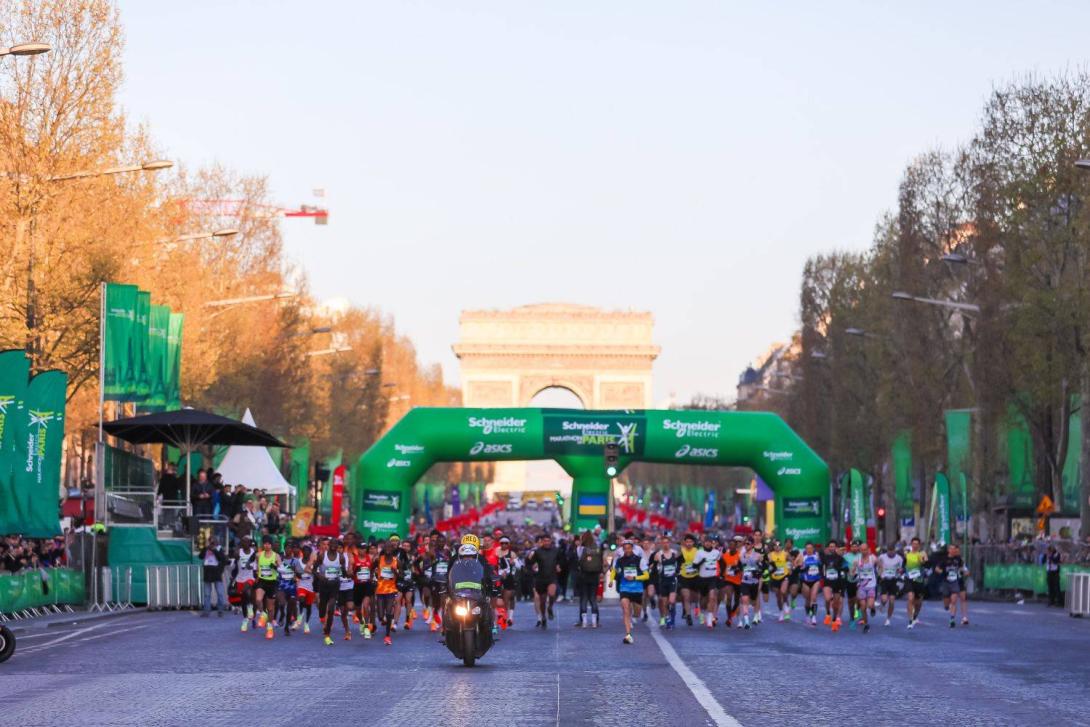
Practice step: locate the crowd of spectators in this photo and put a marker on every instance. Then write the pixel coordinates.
(18, 553)
(249, 512)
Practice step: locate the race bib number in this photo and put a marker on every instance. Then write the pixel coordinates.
(688, 570)
(266, 573)
(951, 575)
(386, 573)
(778, 572)
(831, 574)
(630, 573)
(914, 574)
(332, 572)
(668, 571)
(813, 570)
(364, 574)
(889, 573)
(441, 568)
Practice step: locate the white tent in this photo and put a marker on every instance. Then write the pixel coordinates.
(253, 467)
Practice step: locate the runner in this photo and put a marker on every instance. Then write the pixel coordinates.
(760, 546)
(590, 571)
(963, 594)
(268, 560)
(363, 587)
(751, 562)
(730, 575)
(667, 563)
(834, 581)
(865, 573)
(406, 585)
(386, 579)
(809, 565)
(687, 578)
(891, 570)
(331, 567)
(778, 578)
(915, 562)
(794, 576)
(629, 575)
(851, 585)
(707, 567)
(507, 567)
(952, 568)
(437, 581)
(245, 571)
(305, 592)
(287, 578)
(647, 545)
(543, 564)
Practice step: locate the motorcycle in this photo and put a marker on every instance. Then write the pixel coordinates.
(7, 643)
(467, 618)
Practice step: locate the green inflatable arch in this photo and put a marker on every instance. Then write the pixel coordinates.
(574, 438)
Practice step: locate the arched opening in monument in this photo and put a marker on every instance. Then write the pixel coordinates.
(545, 475)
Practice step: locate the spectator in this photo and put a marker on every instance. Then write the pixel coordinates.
(214, 560)
(202, 495)
(272, 519)
(171, 487)
(244, 524)
(1053, 558)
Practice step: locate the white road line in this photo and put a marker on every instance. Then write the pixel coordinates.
(66, 637)
(693, 682)
(111, 633)
(558, 699)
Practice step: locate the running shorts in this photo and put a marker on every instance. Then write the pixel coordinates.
(889, 587)
(853, 589)
(950, 588)
(750, 589)
(866, 591)
(542, 587)
(836, 586)
(666, 586)
(269, 586)
(305, 596)
(917, 588)
(636, 598)
(241, 586)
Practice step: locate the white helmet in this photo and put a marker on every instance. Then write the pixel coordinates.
(467, 549)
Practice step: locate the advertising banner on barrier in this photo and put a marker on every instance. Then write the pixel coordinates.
(14, 371)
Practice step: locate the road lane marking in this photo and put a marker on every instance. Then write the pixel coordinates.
(111, 633)
(694, 683)
(65, 637)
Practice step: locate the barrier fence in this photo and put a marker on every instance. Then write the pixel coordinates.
(1027, 577)
(38, 592)
(174, 586)
(111, 588)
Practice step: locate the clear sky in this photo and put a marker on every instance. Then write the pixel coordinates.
(678, 157)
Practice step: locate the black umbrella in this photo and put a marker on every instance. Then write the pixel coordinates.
(188, 429)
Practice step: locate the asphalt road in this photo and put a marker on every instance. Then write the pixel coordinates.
(1014, 665)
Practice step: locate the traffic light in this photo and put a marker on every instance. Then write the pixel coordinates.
(613, 455)
(881, 512)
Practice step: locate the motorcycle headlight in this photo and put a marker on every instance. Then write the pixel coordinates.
(462, 611)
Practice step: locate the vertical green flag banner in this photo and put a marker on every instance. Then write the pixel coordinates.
(118, 375)
(173, 383)
(902, 473)
(942, 508)
(1072, 471)
(958, 446)
(158, 358)
(299, 476)
(140, 343)
(40, 477)
(14, 371)
(1019, 442)
(858, 505)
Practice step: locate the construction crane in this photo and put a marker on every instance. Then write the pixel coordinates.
(243, 209)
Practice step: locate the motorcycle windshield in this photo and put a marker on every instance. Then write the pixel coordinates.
(465, 578)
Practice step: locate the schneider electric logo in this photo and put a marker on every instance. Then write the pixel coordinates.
(692, 429)
(698, 452)
(395, 462)
(801, 534)
(482, 448)
(779, 456)
(409, 448)
(789, 471)
(501, 425)
(379, 525)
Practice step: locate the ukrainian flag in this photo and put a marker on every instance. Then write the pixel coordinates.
(591, 505)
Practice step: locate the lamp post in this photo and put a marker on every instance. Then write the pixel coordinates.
(26, 49)
(24, 221)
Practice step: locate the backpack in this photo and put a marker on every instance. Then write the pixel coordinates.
(591, 562)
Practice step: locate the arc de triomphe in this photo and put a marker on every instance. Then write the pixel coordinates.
(506, 357)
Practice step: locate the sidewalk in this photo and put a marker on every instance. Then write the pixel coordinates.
(59, 620)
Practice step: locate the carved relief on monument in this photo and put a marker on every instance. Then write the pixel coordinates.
(621, 395)
(489, 393)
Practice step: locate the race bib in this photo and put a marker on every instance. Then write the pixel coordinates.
(332, 571)
(779, 571)
(889, 573)
(266, 573)
(951, 575)
(386, 573)
(914, 574)
(210, 559)
(831, 574)
(441, 568)
(668, 571)
(813, 570)
(364, 574)
(630, 573)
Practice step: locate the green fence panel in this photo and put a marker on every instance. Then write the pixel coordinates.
(21, 591)
(1027, 576)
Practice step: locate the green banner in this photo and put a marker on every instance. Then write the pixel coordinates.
(902, 474)
(173, 381)
(387, 500)
(14, 371)
(140, 343)
(942, 508)
(1072, 471)
(299, 476)
(858, 495)
(157, 360)
(1020, 462)
(37, 484)
(804, 507)
(20, 591)
(958, 448)
(118, 375)
(587, 432)
(325, 504)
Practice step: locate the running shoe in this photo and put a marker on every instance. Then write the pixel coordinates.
(662, 620)
(757, 618)
(866, 628)
(787, 616)
(306, 627)
(363, 629)
(851, 624)
(965, 622)
(887, 622)
(269, 632)
(347, 635)
(689, 619)
(911, 624)
(328, 641)
(551, 614)
(393, 627)
(262, 620)
(781, 619)
(828, 619)
(628, 639)
(366, 632)
(245, 625)
(434, 626)
(953, 623)
(427, 614)
(387, 640)
(835, 626)
(412, 614)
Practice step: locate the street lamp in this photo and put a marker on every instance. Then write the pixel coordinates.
(26, 49)
(958, 259)
(225, 232)
(818, 355)
(228, 302)
(152, 165)
(965, 307)
(328, 351)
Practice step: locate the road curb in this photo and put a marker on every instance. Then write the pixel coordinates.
(73, 619)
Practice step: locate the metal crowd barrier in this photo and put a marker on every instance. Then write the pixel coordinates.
(111, 588)
(174, 586)
(1078, 594)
